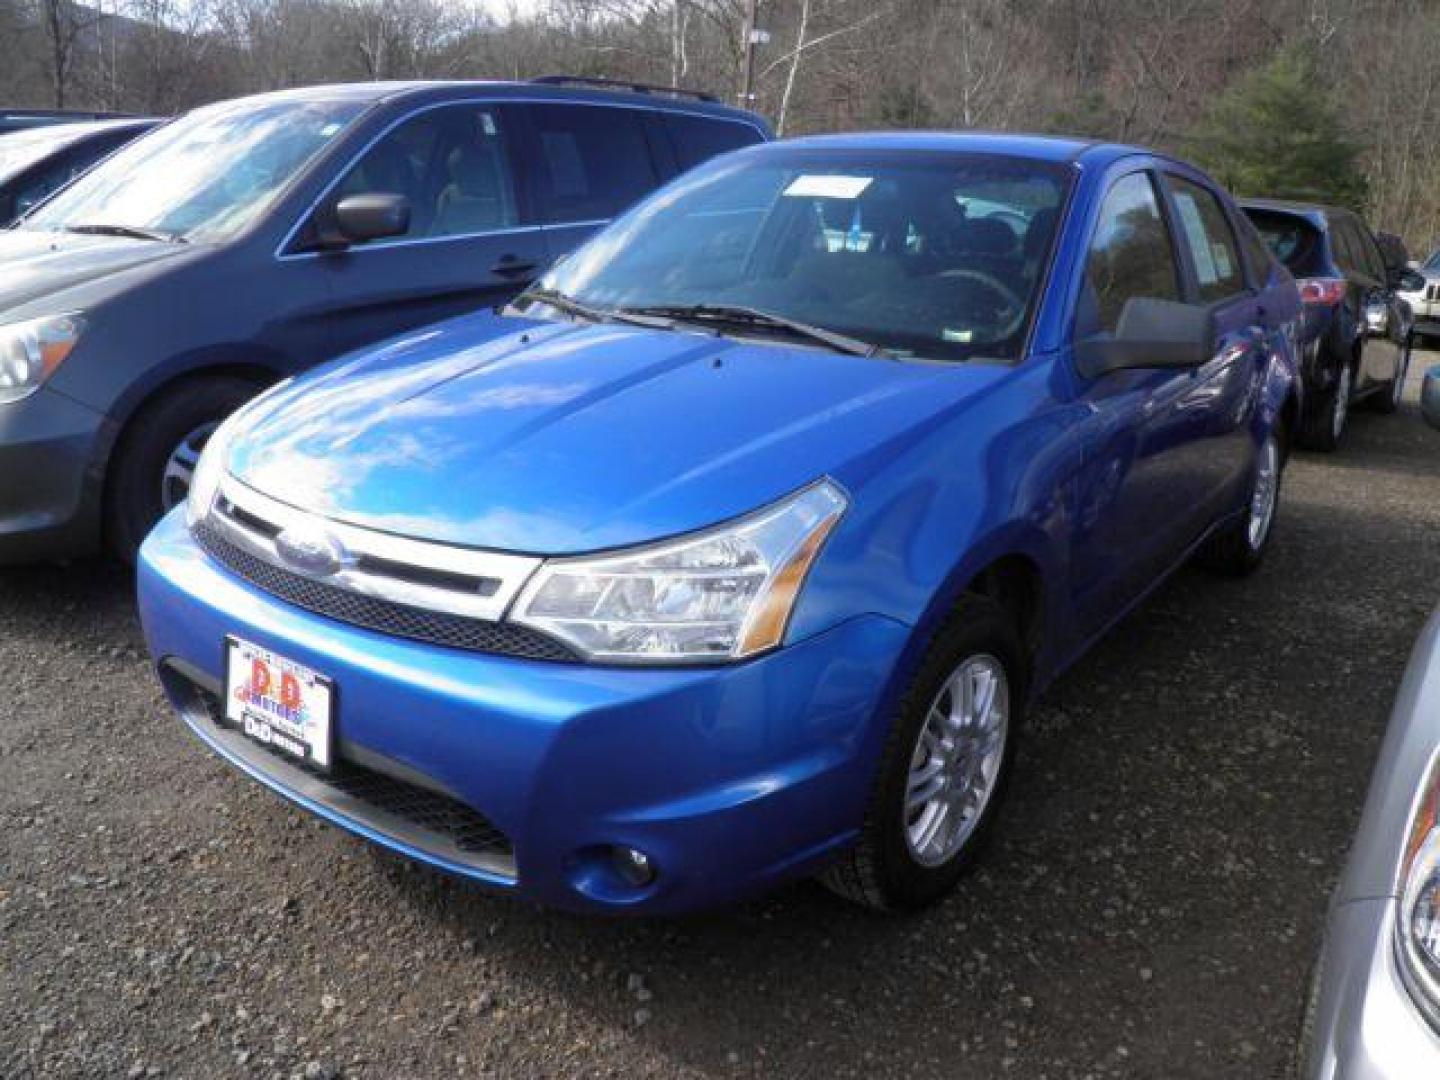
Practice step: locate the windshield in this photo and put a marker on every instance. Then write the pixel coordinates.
(1433, 263)
(204, 177)
(935, 256)
(21, 149)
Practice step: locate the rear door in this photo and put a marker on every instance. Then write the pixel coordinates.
(1382, 320)
(1218, 407)
(590, 163)
(472, 242)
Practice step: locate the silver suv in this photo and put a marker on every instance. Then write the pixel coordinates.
(1425, 301)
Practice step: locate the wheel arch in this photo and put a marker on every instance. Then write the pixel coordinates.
(253, 368)
(1016, 568)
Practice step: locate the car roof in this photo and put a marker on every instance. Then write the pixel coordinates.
(375, 93)
(63, 135)
(1315, 213)
(1053, 148)
(83, 128)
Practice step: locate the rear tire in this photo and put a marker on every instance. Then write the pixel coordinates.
(1240, 548)
(1323, 427)
(945, 766)
(137, 495)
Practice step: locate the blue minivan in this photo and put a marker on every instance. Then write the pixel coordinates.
(255, 238)
(739, 552)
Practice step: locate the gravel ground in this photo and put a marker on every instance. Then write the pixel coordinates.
(1182, 805)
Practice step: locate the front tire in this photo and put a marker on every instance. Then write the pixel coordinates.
(945, 765)
(148, 474)
(1386, 400)
(1240, 548)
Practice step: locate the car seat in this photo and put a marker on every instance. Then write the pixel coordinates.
(474, 200)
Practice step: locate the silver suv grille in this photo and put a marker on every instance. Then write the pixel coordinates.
(444, 595)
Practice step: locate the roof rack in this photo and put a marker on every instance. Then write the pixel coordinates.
(621, 84)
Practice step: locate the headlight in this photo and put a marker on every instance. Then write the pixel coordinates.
(1418, 922)
(30, 351)
(723, 594)
(210, 469)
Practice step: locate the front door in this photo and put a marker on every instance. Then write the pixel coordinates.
(1141, 483)
(470, 243)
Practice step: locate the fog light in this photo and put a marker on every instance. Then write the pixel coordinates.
(634, 866)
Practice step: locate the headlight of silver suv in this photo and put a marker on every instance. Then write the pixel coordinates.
(1418, 923)
(723, 594)
(30, 351)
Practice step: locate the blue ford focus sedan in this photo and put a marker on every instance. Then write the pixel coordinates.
(739, 549)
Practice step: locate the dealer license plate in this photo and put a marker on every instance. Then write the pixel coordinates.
(278, 702)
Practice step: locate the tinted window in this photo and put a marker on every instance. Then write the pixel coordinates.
(697, 140)
(1256, 253)
(1367, 252)
(1342, 243)
(1213, 255)
(1291, 238)
(450, 163)
(1130, 256)
(594, 161)
(883, 247)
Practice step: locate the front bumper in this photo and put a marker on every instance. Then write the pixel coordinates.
(731, 779)
(1364, 1024)
(1426, 313)
(49, 493)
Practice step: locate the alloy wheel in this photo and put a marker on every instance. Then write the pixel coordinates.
(180, 466)
(1340, 411)
(955, 766)
(1265, 495)
(1397, 388)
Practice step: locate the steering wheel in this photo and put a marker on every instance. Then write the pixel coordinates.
(1010, 300)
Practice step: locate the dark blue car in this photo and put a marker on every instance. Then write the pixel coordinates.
(740, 551)
(253, 239)
(37, 162)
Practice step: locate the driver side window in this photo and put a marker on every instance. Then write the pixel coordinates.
(1131, 255)
(450, 163)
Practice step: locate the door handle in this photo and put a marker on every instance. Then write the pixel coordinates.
(511, 266)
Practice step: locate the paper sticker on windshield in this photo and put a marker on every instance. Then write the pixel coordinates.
(823, 186)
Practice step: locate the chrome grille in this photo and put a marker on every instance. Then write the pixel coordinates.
(384, 616)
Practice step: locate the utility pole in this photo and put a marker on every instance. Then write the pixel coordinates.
(753, 36)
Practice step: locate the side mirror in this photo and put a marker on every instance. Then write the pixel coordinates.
(1430, 398)
(362, 218)
(1151, 334)
(1409, 281)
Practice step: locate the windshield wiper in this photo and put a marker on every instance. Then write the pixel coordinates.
(737, 315)
(127, 231)
(570, 306)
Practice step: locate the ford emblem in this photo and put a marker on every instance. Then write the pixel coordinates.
(315, 552)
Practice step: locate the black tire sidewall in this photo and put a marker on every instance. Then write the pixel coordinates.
(979, 626)
(133, 503)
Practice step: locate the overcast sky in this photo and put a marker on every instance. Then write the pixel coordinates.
(501, 8)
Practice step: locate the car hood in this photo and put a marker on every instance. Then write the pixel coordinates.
(35, 264)
(557, 438)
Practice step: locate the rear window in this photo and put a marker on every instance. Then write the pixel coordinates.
(1294, 241)
(697, 139)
